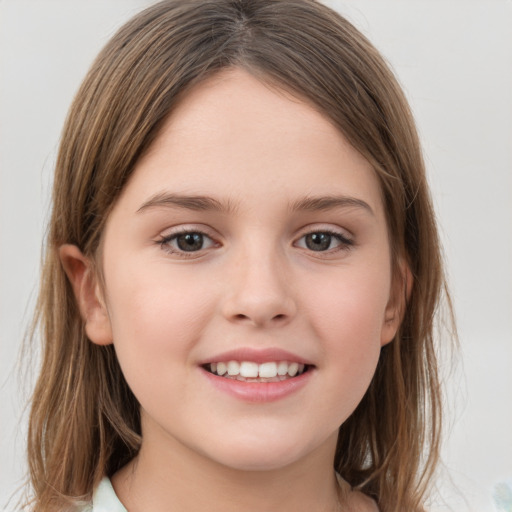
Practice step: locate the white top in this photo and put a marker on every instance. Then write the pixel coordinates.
(104, 499)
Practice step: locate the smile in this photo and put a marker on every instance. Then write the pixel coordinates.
(258, 375)
(250, 371)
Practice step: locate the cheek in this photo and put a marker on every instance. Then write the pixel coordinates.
(157, 319)
(155, 313)
(353, 302)
(348, 315)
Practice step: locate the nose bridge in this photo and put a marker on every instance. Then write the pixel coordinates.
(259, 291)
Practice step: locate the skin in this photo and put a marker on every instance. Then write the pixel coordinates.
(255, 283)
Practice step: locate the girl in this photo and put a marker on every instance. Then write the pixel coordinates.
(242, 272)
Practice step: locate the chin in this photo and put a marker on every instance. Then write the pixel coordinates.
(261, 462)
(261, 455)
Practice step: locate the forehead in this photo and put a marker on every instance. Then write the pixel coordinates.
(238, 137)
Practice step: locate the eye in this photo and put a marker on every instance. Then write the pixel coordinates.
(186, 242)
(323, 241)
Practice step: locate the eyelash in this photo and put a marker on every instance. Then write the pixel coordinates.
(345, 244)
(165, 241)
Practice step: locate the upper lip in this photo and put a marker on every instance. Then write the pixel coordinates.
(256, 355)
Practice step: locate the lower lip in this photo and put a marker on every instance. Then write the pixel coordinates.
(258, 391)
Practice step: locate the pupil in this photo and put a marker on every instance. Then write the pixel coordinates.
(318, 241)
(190, 242)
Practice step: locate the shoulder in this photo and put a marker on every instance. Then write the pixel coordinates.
(359, 502)
(104, 500)
(355, 501)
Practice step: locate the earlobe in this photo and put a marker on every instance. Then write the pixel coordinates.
(395, 309)
(89, 297)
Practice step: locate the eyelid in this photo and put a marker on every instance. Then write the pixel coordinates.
(172, 233)
(187, 228)
(343, 236)
(326, 228)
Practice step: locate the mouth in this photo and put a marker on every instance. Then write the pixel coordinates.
(251, 371)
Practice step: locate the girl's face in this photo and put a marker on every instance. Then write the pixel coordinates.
(250, 239)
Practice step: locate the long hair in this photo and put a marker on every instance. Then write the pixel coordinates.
(84, 420)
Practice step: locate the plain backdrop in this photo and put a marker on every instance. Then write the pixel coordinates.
(454, 59)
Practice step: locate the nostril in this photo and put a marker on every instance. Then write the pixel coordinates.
(241, 317)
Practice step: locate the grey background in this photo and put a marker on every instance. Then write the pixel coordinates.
(454, 59)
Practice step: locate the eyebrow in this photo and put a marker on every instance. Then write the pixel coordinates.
(189, 202)
(324, 203)
(206, 203)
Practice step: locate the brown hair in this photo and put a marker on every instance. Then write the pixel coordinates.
(84, 420)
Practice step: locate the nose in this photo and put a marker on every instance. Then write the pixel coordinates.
(259, 291)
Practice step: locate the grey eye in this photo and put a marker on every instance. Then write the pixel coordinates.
(190, 242)
(318, 241)
(187, 243)
(324, 241)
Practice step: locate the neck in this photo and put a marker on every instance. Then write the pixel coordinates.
(189, 481)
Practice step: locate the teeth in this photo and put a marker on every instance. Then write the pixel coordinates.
(254, 372)
(233, 368)
(268, 370)
(249, 369)
(282, 368)
(293, 369)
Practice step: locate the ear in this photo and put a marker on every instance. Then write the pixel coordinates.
(89, 297)
(401, 289)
